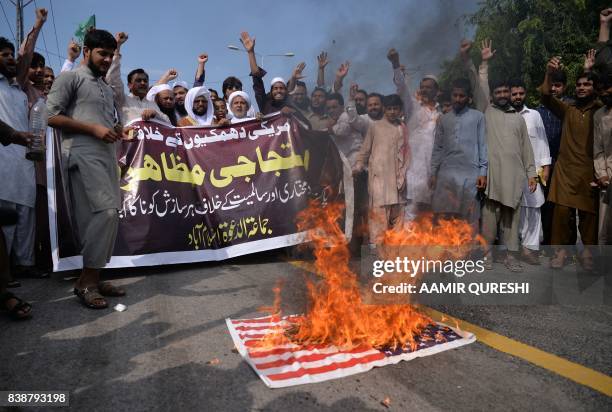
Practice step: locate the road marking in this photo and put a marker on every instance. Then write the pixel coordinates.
(570, 370)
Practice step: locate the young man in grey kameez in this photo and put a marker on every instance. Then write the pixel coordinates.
(81, 104)
(459, 159)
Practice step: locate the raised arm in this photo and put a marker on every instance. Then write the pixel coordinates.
(256, 73)
(167, 77)
(604, 25)
(322, 62)
(589, 61)
(340, 75)
(249, 45)
(555, 105)
(200, 75)
(479, 79)
(296, 75)
(74, 50)
(26, 51)
(401, 81)
(113, 76)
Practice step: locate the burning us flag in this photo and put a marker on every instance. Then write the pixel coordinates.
(340, 334)
(291, 364)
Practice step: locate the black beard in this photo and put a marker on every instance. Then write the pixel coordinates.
(318, 110)
(180, 108)
(378, 116)
(94, 69)
(361, 109)
(517, 107)
(170, 113)
(301, 106)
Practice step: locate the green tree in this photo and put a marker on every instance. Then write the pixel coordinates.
(526, 33)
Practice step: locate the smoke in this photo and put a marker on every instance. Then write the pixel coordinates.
(424, 33)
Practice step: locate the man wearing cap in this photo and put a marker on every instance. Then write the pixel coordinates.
(199, 107)
(180, 89)
(132, 105)
(271, 102)
(163, 96)
(239, 106)
(422, 113)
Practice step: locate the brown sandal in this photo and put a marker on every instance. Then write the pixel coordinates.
(108, 289)
(89, 297)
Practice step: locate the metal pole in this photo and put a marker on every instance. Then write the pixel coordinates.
(19, 26)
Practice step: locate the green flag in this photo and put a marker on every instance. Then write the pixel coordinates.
(79, 34)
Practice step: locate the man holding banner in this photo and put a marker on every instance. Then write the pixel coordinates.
(81, 105)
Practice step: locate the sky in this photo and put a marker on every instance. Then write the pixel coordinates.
(163, 37)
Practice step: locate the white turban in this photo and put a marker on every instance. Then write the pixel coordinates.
(232, 97)
(277, 80)
(192, 94)
(156, 89)
(180, 83)
(431, 77)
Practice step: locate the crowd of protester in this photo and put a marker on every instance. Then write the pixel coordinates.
(521, 177)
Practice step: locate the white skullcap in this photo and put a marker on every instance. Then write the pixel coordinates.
(232, 97)
(180, 83)
(277, 80)
(156, 89)
(431, 77)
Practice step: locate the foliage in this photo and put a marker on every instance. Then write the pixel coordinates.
(526, 33)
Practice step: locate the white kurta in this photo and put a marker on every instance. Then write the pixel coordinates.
(541, 154)
(421, 134)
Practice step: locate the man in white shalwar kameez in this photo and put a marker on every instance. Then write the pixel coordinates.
(530, 220)
(421, 117)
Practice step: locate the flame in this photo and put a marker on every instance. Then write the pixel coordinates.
(336, 313)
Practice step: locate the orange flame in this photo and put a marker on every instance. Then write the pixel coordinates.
(336, 313)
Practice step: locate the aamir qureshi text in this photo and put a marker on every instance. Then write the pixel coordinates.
(474, 288)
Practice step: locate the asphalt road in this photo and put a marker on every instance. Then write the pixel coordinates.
(157, 355)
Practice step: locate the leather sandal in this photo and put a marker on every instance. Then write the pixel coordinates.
(586, 262)
(558, 261)
(513, 264)
(20, 310)
(530, 257)
(91, 298)
(108, 289)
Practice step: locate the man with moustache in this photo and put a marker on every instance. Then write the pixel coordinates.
(48, 80)
(374, 107)
(346, 127)
(511, 163)
(274, 101)
(459, 159)
(132, 105)
(299, 98)
(317, 115)
(199, 106)
(421, 115)
(180, 89)
(361, 96)
(81, 105)
(163, 96)
(531, 222)
(571, 188)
